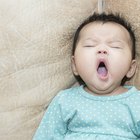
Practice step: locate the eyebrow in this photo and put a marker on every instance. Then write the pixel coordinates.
(91, 39)
(96, 40)
(116, 41)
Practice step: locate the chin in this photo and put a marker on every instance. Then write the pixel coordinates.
(101, 89)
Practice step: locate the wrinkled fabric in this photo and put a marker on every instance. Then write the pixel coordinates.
(35, 44)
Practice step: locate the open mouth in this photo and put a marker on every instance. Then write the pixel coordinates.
(102, 69)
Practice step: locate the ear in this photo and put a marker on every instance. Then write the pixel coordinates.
(73, 65)
(132, 69)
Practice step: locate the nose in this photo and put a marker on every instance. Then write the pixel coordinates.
(102, 49)
(102, 52)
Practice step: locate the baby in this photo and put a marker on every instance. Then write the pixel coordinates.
(101, 108)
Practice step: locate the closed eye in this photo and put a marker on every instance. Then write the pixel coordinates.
(115, 47)
(89, 46)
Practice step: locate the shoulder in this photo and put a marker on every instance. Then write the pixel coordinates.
(133, 98)
(68, 94)
(73, 91)
(134, 92)
(133, 103)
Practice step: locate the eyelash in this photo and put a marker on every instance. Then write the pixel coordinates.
(95, 46)
(116, 47)
(89, 46)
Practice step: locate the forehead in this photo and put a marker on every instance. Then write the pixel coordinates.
(106, 30)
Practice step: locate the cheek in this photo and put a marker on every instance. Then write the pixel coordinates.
(85, 64)
(121, 66)
(120, 62)
(122, 58)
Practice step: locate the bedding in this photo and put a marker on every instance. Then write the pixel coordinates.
(35, 48)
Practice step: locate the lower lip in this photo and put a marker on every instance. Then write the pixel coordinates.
(104, 78)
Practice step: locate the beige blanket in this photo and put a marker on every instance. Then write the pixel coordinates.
(35, 47)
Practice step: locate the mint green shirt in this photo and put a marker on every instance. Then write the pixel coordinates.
(75, 114)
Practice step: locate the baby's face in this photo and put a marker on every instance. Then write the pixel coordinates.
(103, 56)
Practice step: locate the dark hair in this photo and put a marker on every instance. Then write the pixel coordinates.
(104, 18)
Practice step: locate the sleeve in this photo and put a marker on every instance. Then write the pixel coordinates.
(52, 126)
(138, 129)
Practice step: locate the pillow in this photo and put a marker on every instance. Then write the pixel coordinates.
(35, 48)
(130, 10)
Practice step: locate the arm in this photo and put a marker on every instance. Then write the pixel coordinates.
(52, 126)
(137, 127)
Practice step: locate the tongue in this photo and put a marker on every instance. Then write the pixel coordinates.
(102, 71)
